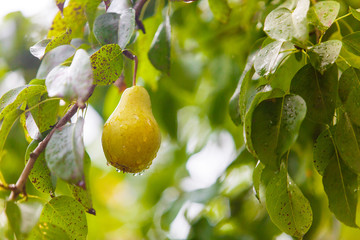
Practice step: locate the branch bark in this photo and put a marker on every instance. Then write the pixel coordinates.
(20, 184)
(138, 8)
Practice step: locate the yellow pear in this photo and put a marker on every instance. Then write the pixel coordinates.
(131, 137)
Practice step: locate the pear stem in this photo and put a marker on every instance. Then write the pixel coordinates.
(133, 57)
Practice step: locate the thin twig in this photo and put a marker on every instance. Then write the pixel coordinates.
(133, 57)
(138, 8)
(20, 184)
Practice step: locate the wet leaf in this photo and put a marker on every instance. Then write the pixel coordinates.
(64, 153)
(271, 56)
(275, 127)
(324, 150)
(47, 231)
(106, 28)
(83, 196)
(347, 138)
(349, 93)
(71, 82)
(73, 18)
(340, 185)
(324, 55)
(220, 9)
(159, 53)
(352, 43)
(287, 206)
(13, 215)
(323, 14)
(38, 50)
(54, 58)
(107, 64)
(318, 91)
(262, 93)
(62, 39)
(67, 214)
(126, 27)
(40, 175)
(285, 24)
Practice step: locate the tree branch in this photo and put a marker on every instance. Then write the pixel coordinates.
(138, 8)
(20, 184)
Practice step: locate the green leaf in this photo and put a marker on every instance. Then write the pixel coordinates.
(159, 53)
(324, 150)
(54, 58)
(60, 4)
(62, 39)
(347, 138)
(71, 82)
(83, 196)
(262, 93)
(288, 208)
(256, 177)
(271, 56)
(40, 175)
(340, 185)
(15, 97)
(126, 27)
(90, 11)
(349, 93)
(106, 28)
(107, 64)
(13, 214)
(355, 13)
(324, 55)
(44, 111)
(318, 91)
(323, 14)
(47, 231)
(6, 124)
(275, 127)
(352, 43)
(64, 153)
(38, 50)
(73, 17)
(67, 214)
(285, 24)
(237, 105)
(220, 9)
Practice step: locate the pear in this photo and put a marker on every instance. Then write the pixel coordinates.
(131, 137)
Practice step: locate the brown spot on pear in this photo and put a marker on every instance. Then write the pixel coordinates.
(124, 132)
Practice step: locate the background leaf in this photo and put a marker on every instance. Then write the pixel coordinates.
(107, 64)
(319, 92)
(6, 124)
(220, 9)
(64, 153)
(352, 43)
(13, 214)
(67, 214)
(287, 206)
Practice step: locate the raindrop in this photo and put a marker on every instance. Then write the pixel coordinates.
(118, 170)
